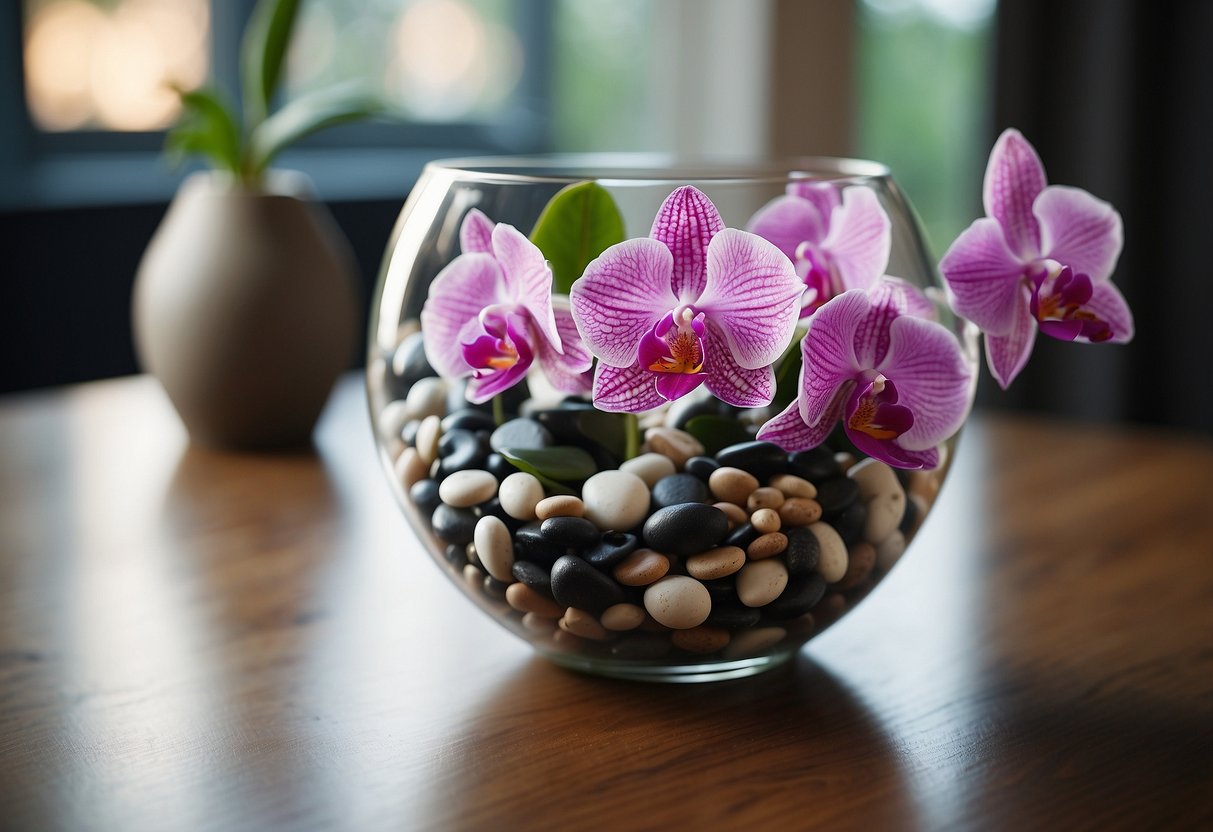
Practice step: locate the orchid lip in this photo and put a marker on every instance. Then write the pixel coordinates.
(1059, 298)
(675, 344)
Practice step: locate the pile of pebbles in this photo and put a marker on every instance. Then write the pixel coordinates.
(675, 553)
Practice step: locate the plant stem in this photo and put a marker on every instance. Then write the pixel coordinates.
(631, 446)
(498, 410)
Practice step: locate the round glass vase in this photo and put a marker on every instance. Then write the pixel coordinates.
(426, 430)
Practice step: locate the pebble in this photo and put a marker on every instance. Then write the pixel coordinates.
(649, 467)
(803, 551)
(495, 547)
(836, 495)
(533, 575)
(454, 525)
(641, 568)
(687, 408)
(884, 515)
(473, 577)
(732, 485)
(615, 500)
(577, 584)
(766, 520)
(641, 646)
(611, 549)
(761, 582)
(742, 536)
(409, 363)
(571, 532)
(678, 488)
(762, 459)
(520, 434)
(754, 642)
(526, 600)
(583, 624)
(765, 497)
(519, 494)
(678, 602)
(411, 468)
(703, 639)
(701, 466)
(466, 418)
(860, 562)
(845, 459)
(455, 555)
(801, 595)
(832, 559)
(428, 434)
(800, 511)
(793, 486)
(715, 563)
(685, 529)
(559, 505)
(427, 397)
(734, 512)
(733, 617)
(537, 623)
(850, 522)
(890, 551)
(499, 466)
(530, 544)
(464, 489)
(767, 546)
(815, 465)
(677, 445)
(392, 419)
(621, 617)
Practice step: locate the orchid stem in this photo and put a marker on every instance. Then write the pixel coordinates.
(631, 447)
(498, 410)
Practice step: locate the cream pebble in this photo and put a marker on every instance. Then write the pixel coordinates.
(884, 516)
(890, 551)
(678, 602)
(464, 489)
(519, 493)
(559, 505)
(641, 568)
(794, 486)
(832, 563)
(473, 577)
(411, 468)
(753, 642)
(427, 397)
(874, 478)
(765, 497)
(767, 546)
(392, 419)
(621, 617)
(615, 500)
(428, 434)
(677, 445)
(527, 600)
(715, 563)
(761, 582)
(734, 512)
(732, 485)
(495, 547)
(703, 639)
(581, 623)
(765, 521)
(649, 467)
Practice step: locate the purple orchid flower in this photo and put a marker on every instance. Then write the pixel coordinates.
(489, 315)
(899, 382)
(1040, 258)
(694, 303)
(836, 244)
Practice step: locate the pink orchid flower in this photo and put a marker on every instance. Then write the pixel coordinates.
(1040, 259)
(836, 244)
(899, 382)
(489, 315)
(694, 303)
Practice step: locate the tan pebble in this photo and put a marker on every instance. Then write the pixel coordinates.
(473, 577)
(800, 511)
(832, 563)
(641, 568)
(678, 602)
(519, 493)
(427, 397)
(732, 485)
(495, 547)
(765, 497)
(581, 623)
(649, 467)
(622, 617)
(564, 640)
(860, 562)
(845, 460)
(702, 639)
(428, 434)
(469, 552)
(794, 486)
(411, 468)
(766, 520)
(394, 446)
(802, 626)
(874, 478)
(676, 444)
(560, 505)
(890, 551)
(761, 582)
(767, 546)
(753, 642)
(538, 624)
(526, 599)
(734, 512)
(715, 563)
(884, 516)
(925, 484)
(464, 489)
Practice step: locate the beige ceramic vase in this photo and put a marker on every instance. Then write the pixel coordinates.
(245, 309)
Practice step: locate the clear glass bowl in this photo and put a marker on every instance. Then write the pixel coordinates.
(411, 407)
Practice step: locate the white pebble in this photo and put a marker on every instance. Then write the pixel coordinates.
(649, 467)
(410, 468)
(428, 434)
(392, 419)
(874, 478)
(615, 500)
(464, 489)
(495, 547)
(833, 561)
(762, 581)
(884, 516)
(890, 551)
(678, 602)
(427, 397)
(520, 492)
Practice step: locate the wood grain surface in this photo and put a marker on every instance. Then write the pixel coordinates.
(192, 640)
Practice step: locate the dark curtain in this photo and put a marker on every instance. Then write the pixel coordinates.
(1117, 96)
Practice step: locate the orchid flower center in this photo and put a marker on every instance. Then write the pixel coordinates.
(498, 348)
(820, 276)
(1058, 300)
(675, 344)
(874, 411)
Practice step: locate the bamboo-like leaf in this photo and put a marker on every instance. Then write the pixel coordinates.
(206, 128)
(306, 115)
(577, 225)
(562, 464)
(262, 52)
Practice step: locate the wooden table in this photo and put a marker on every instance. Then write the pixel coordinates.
(194, 640)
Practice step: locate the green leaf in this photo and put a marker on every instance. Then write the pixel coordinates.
(716, 432)
(306, 115)
(266, 40)
(206, 128)
(787, 374)
(577, 225)
(558, 464)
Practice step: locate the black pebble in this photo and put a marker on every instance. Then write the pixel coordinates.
(530, 544)
(493, 507)
(499, 466)
(742, 536)
(803, 552)
(611, 549)
(424, 495)
(577, 584)
(800, 595)
(454, 525)
(573, 532)
(465, 418)
(678, 488)
(459, 450)
(836, 495)
(455, 555)
(685, 529)
(701, 466)
(523, 434)
(495, 588)
(850, 522)
(762, 459)
(533, 575)
(733, 618)
(408, 434)
(815, 465)
(409, 364)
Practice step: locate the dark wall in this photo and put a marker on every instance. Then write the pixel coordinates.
(65, 286)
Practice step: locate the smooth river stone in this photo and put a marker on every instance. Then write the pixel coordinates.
(676, 444)
(715, 563)
(615, 500)
(641, 568)
(560, 505)
(611, 549)
(761, 582)
(519, 494)
(573, 532)
(803, 552)
(453, 525)
(622, 617)
(762, 459)
(649, 467)
(678, 602)
(577, 584)
(832, 560)
(521, 434)
(464, 489)
(733, 485)
(685, 529)
(678, 488)
(495, 548)
(426, 398)
(800, 595)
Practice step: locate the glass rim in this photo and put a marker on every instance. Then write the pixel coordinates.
(651, 169)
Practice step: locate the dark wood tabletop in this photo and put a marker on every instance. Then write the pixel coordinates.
(194, 640)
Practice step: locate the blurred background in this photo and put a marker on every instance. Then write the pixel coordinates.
(1116, 95)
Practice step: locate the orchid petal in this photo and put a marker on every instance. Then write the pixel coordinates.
(729, 381)
(985, 278)
(1014, 178)
(753, 294)
(527, 278)
(491, 383)
(828, 352)
(933, 380)
(892, 453)
(917, 303)
(788, 221)
(673, 386)
(1109, 305)
(824, 196)
(686, 223)
(788, 430)
(621, 296)
(1007, 354)
(1079, 231)
(466, 286)
(860, 238)
(625, 389)
(568, 372)
(888, 302)
(476, 232)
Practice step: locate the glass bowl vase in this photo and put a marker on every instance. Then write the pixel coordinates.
(735, 592)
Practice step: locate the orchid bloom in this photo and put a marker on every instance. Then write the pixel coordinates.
(694, 303)
(899, 382)
(836, 244)
(489, 315)
(1040, 258)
